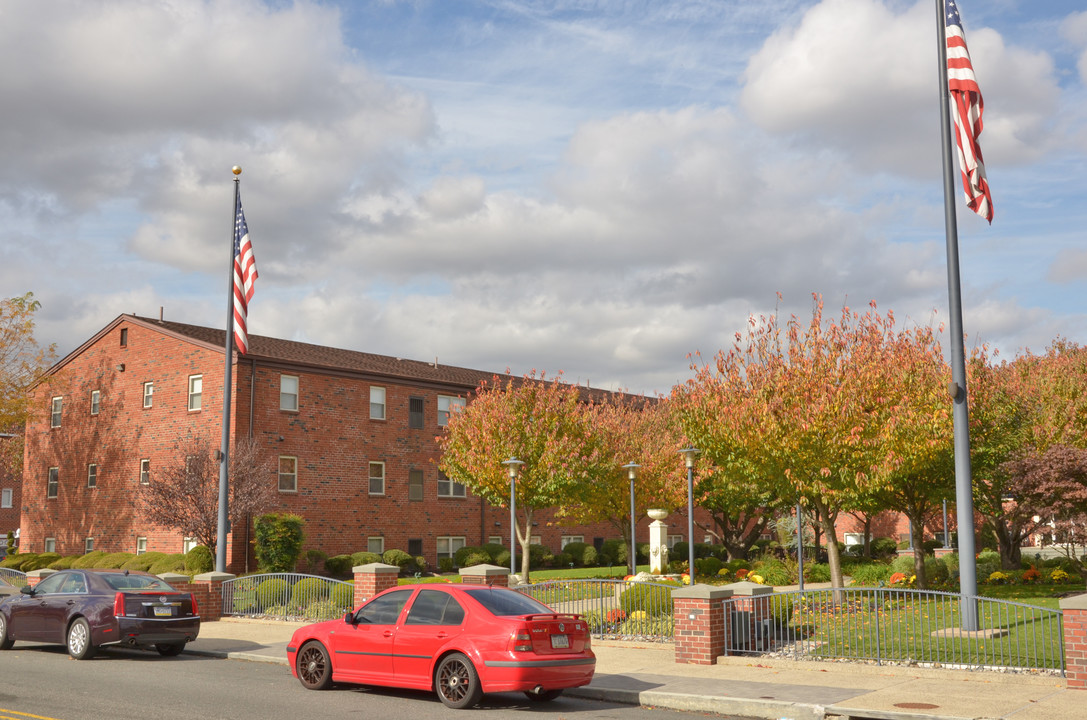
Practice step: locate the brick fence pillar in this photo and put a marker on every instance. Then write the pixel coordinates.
(701, 633)
(36, 576)
(1075, 641)
(485, 575)
(207, 588)
(372, 579)
(750, 605)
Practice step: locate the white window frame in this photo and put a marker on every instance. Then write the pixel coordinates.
(673, 539)
(375, 542)
(145, 471)
(196, 392)
(535, 540)
(52, 483)
(7, 497)
(141, 545)
(567, 539)
(291, 475)
(88, 545)
(450, 488)
(188, 544)
(416, 486)
(377, 403)
(92, 475)
(380, 476)
(288, 400)
(496, 540)
(56, 411)
(447, 545)
(149, 393)
(50, 545)
(447, 405)
(96, 401)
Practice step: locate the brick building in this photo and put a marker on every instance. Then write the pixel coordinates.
(354, 434)
(10, 484)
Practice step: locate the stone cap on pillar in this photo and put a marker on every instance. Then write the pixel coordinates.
(376, 569)
(746, 588)
(484, 570)
(174, 578)
(41, 573)
(702, 592)
(214, 577)
(1076, 602)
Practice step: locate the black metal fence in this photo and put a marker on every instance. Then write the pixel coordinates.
(614, 609)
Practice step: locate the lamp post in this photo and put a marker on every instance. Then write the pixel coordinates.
(514, 466)
(632, 472)
(688, 456)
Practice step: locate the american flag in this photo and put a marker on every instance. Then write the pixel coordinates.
(245, 274)
(966, 109)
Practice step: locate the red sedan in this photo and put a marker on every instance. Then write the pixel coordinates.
(458, 640)
(85, 609)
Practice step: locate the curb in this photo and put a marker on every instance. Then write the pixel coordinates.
(749, 708)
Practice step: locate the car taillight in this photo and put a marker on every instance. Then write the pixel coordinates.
(521, 641)
(195, 609)
(119, 605)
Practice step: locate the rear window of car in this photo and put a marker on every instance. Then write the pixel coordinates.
(136, 582)
(507, 602)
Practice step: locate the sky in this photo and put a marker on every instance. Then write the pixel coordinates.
(598, 188)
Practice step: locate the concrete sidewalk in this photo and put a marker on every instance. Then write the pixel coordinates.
(647, 674)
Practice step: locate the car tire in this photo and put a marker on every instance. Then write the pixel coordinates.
(314, 666)
(543, 695)
(170, 649)
(5, 641)
(79, 640)
(457, 682)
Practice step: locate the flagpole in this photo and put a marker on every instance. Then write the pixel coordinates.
(223, 526)
(964, 496)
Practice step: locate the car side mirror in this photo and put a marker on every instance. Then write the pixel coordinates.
(27, 589)
(349, 617)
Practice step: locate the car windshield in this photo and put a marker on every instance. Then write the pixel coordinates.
(507, 602)
(135, 582)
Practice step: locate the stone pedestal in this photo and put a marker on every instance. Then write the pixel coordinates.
(658, 542)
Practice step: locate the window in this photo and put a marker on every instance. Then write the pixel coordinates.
(148, 391)
(141, 545)
(433, 607)
(449, 488)
(50, 545)
(375, 545)
(496, 540)
(383, 610)
(124, 337)
(415, 547)
(288, 393)
(92, 475)
(55, 412)
(288, 474)
(567, 539)
(535, 540)
(447, 405)
(377, 478)
(96, 401)
(415, 412)
(673, 539)
(145, 472)
(415, 485)
(53, 484)
(188, 544)
(377, 403)
(448, 545)
(196, 390)
(88, 546)
(6, 497)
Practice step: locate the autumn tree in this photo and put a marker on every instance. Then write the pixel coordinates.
(185, 495)
(798, 409)
(1055, 484)
(545, 424)
(22, 363)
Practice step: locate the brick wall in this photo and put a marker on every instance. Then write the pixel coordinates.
(1075, 641)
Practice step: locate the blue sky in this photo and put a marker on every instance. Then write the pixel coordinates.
(586, 186)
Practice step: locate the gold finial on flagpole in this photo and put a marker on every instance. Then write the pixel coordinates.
(237, 169)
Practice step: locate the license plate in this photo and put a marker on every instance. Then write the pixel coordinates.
(560, 641)
(164, 612)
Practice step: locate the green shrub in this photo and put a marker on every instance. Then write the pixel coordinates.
(168, 564)
(142, 562)
(734, 565)
(90, 560)
(64, 563)
(199, 560)
(577, 551)
(503, 559)
(312, 561)
(322, 610)
(902, 564)
(651, 598)
(590, 558)
(613, 552)
(883, 548)
(445, 565)
(114, 560)
(477, 558)
(871, 574)
(538, 556)
(343, 595)
(364, 558)
(817, 572)
(774, 572)
(401, 559)
(460, 557)
(339, 565)
(15, 562)
(951, 562)
(708, 566)
(278, 539)
(936, 572)
(272, 591)
(563, 560)
(309, 590)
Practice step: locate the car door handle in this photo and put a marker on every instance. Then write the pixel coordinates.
(388, 633)
(443, 634)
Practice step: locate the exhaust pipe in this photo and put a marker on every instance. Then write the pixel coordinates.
(537, 690)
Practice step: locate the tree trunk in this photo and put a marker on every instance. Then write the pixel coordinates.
(524, 540)
(918, 542)
(826, 521)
